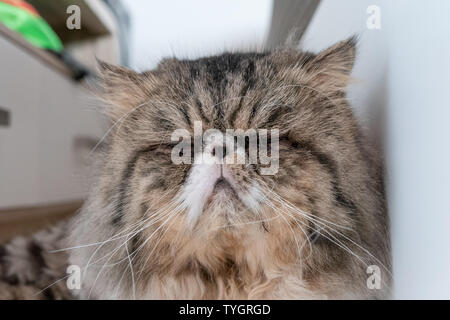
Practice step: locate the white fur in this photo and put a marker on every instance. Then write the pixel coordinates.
(204, 175)
(199, 187)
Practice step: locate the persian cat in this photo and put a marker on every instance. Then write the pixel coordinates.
(154, 229)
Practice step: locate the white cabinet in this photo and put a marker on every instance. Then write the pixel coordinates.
(48, 111)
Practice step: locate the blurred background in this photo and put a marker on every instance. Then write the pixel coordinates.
(49, 122)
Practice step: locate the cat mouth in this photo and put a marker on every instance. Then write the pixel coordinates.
(223, 187)
(222, 184)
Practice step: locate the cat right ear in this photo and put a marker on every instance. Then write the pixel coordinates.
(122, 89)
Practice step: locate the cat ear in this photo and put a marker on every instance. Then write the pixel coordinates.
(122, 89)
(331, 68)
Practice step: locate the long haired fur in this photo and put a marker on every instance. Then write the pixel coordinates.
(321, 221)
(309, 231)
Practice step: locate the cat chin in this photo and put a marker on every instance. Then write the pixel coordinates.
(229, 204)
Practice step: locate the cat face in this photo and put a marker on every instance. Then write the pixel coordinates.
(282, 93)
(206, 212)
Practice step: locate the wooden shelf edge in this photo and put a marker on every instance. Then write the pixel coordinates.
(25, 221)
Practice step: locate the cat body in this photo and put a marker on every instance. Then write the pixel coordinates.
(154, 229)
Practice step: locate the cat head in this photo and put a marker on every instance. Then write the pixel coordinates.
(171, 175)
(164, 119)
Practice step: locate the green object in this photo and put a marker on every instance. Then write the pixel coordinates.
(32, 27)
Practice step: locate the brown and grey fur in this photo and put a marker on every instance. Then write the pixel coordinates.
(324, 221)
(28, 266)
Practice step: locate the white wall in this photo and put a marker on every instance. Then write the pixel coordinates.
(405, 73)
(189, 29)
(419, 146)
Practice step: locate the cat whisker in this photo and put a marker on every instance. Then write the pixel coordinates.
(51, 285)
(149, 255)
(119, 234)
(88, 264)
(240, 224)
(300, 249)
(315, 221)
(332, 239)
(132, 272)
(163, 212)
(121, 119)
(322, 220)
(133, 254)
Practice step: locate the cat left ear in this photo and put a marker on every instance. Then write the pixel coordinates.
(331, 68)
(340, 57)
(122, 88)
